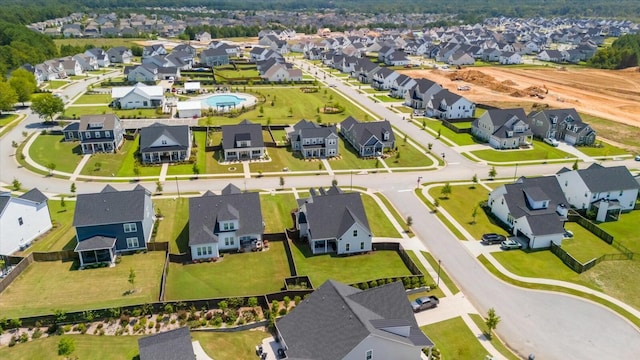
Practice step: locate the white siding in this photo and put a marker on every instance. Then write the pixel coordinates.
(363, 236)
(384, 349)
(35, 222)
(203, 250)
(574, 189)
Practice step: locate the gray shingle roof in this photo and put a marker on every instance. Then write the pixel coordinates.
(98, 122)
(207, 210)
(363, 131)
(335, 318)
(34, 195)
(151, 133)
(602, 179)
(4, 200)
(244, 130)
(168, 345)
(308, 129)
(110, 206)
(95, 243)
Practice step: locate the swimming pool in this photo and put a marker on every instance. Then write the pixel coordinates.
(224, 100)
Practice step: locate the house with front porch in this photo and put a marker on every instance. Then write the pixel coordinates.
(418, 95)
(120, 55)
(313, 140)
(401, 85)
(447, 105)
(214, 57)
(230, 221)
(503, 128)
(100, 55)
(139, 96)
(112, 221)
(332, 221)
(141, 73)
(243, 141)
(383, 79)
(368, 138)
(23, 219)
(561, 124)
(607, 191)
(97, 133)
(165, 143)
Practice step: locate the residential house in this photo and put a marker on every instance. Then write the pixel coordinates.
(243, 141)
(282, 73)
(138, 96)
(418, 95)
(368, 138)
(383, 79)
(461, 58)
(189, 109)
(120, 55)
(364, 70)
(167, 345)
(142, 73)
(153, 50)
(503, 128)
(447, 105)
(112, 221)
(561, 124)
(97, 133)
(333, 221)
(534, 209)
(87, 63)
(313, 140)
(260, 54)
(230, 221)
(607, 191)
(510, 58)
(185, 48)
(401, 85)
(203, 37)
(71, 66)
(101, 57)
(377, 323)
(214, 57)
(22, 220)
(165, 143)
(396, 58)
(555, 56)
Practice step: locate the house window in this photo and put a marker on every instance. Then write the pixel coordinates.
(164, 142)
(368, 355)
(347, 247)
(130, 227)
(87, 135)
(229, 241)
(228, 226)
(362, 245)
(355, 233)
(20, 222)
(107, 134)
(97, 133)
(199, 251)
(132, 242)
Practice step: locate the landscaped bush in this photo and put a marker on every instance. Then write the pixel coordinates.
(24, 337)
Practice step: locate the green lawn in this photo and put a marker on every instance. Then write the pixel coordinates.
(460, 204)
(374, 91)
(37, 292)
(63, 235)
(237, 345)
(56, 84)
(458, 139)
(603, 150)
(239, 274)
(625, 230)
(444, 277)
(201, 157)
(404, 109)
(349, 159)
(47, 149)
(283, 157)
(504, 351)
(7, 118)
(387, 98)
(539, 151)
(78, 111)
(86, 347)
(119, 164)
(407, 155)
(393, 210)
(353, 269)
(93, 99)
(585, 246)
(243, 71)
(429, 280)
(627, 135)
(378, 221)
(100, 42)
(454, 339)
(173, 228)
(454, 229)
(276, 211)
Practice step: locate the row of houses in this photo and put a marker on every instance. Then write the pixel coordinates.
(512, 128)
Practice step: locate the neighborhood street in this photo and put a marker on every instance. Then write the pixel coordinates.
(547, 324)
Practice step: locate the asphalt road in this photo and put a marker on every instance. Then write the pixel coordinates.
(549, 325)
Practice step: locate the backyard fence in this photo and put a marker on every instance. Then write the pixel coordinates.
(570, 261)
(62, 255)
(291, 235)
(15, 272)
(450, 124)
(574, 216)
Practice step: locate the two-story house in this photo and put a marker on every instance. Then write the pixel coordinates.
(561, 124)
(447, 105)
(227, 222)
(420, 93)
(313, 140)
(165, 143)
(100, 55)
(383, 79)
(332, 221)
(97, 133)
(22, 220)
(368, 138)
(120, 55)
(503, 128)
(243, 141)
(214, 57)
(112, 221)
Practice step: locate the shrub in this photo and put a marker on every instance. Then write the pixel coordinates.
(297, 299)
(138, 327)
(158, 326)
(82, 328)
(182, 314)
(208, 315)
(217, 321)
(37, 333)
(24, 337)
(283, 311)
(168, 309)
(67, 328)
(287, 301)
(66, 346)
(13, 341)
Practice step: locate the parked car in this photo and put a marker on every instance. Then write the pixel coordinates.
(637, 157)
(510, 245)
(332, 85)
(551, 141)
(493, 238)
(568, 233)
(424, 303)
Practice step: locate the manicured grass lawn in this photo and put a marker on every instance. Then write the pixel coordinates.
(459, 139)
(63, 235)
(349, 159)
(47, 149)
(237, 345)
(118, 164)
(627, 135)
(93, 99)
(100, 42)
(201, 157)
(539, 151)
(460, 205)
(173, 228)
(353, 269)
(409, 155)
(374, 91)
(493, 340)
(276, 211)
(444, 277)
(37, 291)
(393, 210)
(240, 274)
(283, 157)
(454, 339)
(387, 98)
(78, 111)
(242, 71)
(279, 135)
(86, 347)
(625, 230)
(404, 109)
(7, 118)
(454, 230)
(604, 150)
(303, 106)
(378, 221)
(430, 281)
(56, 84)
(585, 246)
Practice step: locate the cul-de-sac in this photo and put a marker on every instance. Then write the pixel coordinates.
(206, 179)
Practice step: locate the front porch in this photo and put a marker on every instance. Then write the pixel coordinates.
(96, 249)
(96, 147)
(164, 156)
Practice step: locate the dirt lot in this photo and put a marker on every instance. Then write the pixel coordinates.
(613, 95)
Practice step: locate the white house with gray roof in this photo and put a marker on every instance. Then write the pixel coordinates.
(503, 128)
(313, 140)
(447, 105)
(139, 96)
(243, 141)
(227, 222)
(22, 219)
(334, 222)
(368, 138)
(165, 143)
(338, 321)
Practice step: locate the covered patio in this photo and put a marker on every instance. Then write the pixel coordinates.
(91, 147)
(96, 249)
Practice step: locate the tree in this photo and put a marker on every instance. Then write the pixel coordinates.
(281, 182)
(409, 221)
(429, 146)
(261, 111)
(195, 169)
(8, 97)
(575, 165)
(474, 213)
(475, 181)
(16, 184)
(158, 187)
(66, 346)
(439, 132)
(334, 182)
(62, 202)
(446, 190)
(492, 320)
(51, 167)
(47, 106)
(492, 172)
(136, 171)
(252, 302)
(132, 278)
(24, 83)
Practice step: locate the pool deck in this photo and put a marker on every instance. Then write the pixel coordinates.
(249, 100)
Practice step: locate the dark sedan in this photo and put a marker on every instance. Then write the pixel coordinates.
(493, 238)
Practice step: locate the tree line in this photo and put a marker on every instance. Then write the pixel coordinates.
(623, 53)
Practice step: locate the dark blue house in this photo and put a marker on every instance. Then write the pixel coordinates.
(112, 221)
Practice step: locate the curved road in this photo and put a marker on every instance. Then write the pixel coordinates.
(549, 325)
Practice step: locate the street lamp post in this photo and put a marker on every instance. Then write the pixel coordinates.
(439, 265)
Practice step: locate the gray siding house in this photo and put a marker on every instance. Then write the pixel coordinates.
(243, 141)
(503, 128)
(214, 57)
(112, 221)
(561, 124)
(97, 133)
(368, 138)
(164, 143)
(230, 221)
(313, 140)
